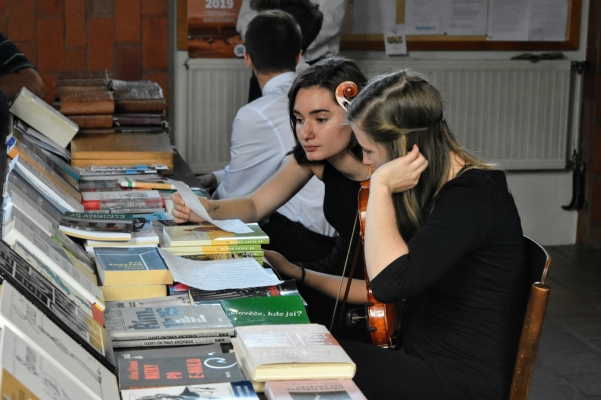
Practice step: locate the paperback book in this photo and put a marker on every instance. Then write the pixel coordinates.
(269, 310)
(218, 391)
(141, 266)
(142, 235)
(171, 342)
(177, 371)
(174, 322)
(145, 183)
(207, 234)
(171, 351)
(27, 374)
(163, 301)
(97, 226)
(323, 389)
(199, 296)
(40, 244)
(134, 199)
(133, 292)
(291, 352)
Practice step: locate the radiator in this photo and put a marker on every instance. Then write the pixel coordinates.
(512, 113)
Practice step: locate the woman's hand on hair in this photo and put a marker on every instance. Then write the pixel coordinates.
(181, 213)
(401, 174)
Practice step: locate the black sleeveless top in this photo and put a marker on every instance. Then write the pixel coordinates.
(340, 201)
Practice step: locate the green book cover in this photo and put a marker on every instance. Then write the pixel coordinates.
(269, 310)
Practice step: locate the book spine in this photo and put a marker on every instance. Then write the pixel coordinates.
(146, 185)
(139, 129)
(119, 336)
(170, 342)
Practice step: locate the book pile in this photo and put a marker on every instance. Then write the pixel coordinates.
(100, 105)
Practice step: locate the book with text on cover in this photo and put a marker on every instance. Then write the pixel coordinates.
(200, 296)
(341, 389)
(119, 344)
(145, 236)
(266, 310)
(207, 234)
(177, 371)
(136, 265)
(27, 374)
(216, 391)
(97, 226)
(135, 199)
(145, 183)
(291, 352)
(175, 322)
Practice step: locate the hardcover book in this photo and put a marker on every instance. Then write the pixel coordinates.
(327, 390)
(23, 364)
(139, 96)
(171, 342)
(133, 292)
(122, 200)
(270, 310)
(52, 255)
(97, 226)
(217, 391)
(45, 185)
(174, 322)
(40, 115)
(92, 121)
(138, 119)
(291, 352)
(207, 234)
(137, 265)
(113, 149)
(82, 100)
(88, 360)
(176, 371)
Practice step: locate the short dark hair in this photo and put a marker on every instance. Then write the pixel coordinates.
(306, 14)
(273, 41)
(327, 74)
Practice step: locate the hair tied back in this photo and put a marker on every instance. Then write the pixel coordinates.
(345, 92)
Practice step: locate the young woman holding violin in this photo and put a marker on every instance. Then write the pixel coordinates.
(326, 148)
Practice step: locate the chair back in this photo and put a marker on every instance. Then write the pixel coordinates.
(537, 263)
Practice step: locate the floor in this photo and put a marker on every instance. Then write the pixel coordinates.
(568, 364)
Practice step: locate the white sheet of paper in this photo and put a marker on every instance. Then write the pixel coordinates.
(192, 202)
(219, 274)
(395, 42)
(465, 17)
(548, 20)
(507, 20)
(423, 17)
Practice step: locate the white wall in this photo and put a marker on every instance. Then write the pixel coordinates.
(538, 195)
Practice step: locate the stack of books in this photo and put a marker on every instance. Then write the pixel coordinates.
(128, 273)
(205, 241)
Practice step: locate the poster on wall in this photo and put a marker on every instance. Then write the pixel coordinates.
(212, 29)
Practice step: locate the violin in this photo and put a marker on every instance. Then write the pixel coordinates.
(380, 317)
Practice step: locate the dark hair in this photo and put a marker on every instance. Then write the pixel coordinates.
(327, 74)
(306, 14)
(397, 111)
(273, 42)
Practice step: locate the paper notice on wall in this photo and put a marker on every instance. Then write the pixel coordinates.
(507, 20)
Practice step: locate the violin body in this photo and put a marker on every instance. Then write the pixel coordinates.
(381, 317)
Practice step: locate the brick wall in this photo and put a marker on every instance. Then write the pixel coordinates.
(589, 218)
(128, 38)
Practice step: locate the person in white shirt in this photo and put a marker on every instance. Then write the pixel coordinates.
(262, 138)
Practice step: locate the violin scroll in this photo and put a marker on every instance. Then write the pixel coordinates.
(345, 92)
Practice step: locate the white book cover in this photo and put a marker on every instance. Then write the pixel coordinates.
(122, 194)
(16, 183)
(223, 391)
(143, 237)
(35, 372)
(320, 389)
(34, 212)
(57, 346)
(51, 253)
(45, 185)
(43, 117)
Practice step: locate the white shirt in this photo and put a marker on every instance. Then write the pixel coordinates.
(261, 137)
(327, 42)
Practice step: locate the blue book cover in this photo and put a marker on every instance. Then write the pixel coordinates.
(131, 265)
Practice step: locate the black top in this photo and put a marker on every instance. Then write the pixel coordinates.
(466, 281)
(11, 58)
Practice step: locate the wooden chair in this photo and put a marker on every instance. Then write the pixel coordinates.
(537, 262)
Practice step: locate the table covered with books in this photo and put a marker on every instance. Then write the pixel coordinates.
(114, 300)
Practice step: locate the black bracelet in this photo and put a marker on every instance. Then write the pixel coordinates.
(302, 278)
